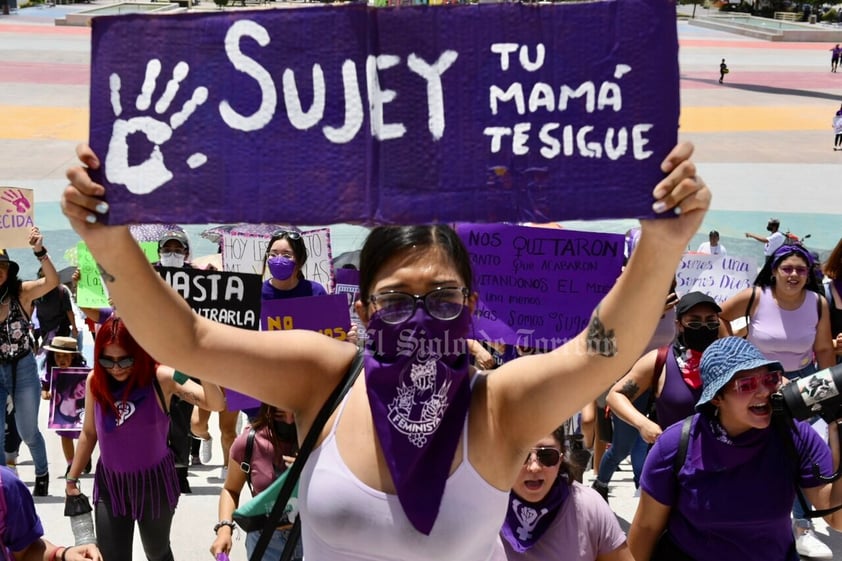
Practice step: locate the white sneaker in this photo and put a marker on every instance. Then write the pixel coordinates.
(808, 545)
(205, 450)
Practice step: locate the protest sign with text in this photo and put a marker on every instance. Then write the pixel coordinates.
(90, 291)
(16, 216)
(480, 113)
(245, 252)
(538, 287)
(229, 298)
(718, 276)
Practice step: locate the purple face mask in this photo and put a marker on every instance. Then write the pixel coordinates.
(419, 392)
(280, 267)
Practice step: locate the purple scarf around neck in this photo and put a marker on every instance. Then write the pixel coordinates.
(526, 522)
(418, 385)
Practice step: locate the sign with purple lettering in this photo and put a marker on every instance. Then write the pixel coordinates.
(537, 286)
(475, 113)
(67, 398)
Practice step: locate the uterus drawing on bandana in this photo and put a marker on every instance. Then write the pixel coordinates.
(418, 408)
(527, 518)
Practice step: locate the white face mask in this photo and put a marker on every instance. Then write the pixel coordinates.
(172, 260)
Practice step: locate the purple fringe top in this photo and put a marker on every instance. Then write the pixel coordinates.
(135, 462)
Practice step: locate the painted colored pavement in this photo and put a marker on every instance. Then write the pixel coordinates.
(763, 142)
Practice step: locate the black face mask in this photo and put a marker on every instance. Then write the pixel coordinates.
(284, 431)
(699, 339)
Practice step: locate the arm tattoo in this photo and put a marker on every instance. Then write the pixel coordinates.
(630, 389)
(106, 276)
(599, 340)
(187, 396)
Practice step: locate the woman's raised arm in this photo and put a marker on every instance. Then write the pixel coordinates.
(293, 369)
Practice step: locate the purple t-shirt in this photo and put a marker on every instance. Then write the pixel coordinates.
(584, 528)
(19, 523)
(303, 288)
(735, 497)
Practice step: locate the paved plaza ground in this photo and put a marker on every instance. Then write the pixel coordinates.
(763, 138)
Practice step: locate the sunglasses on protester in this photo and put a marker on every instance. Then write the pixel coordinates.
(289, 234)
(121, 362)
(547, 457)
(712, 325)
(789, 269)
(441, 303)
(770, 380)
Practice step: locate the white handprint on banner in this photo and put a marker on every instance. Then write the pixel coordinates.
(144, 178)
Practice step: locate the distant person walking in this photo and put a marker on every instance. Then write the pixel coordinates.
(837, 128)
(723, 70)
(834, 57)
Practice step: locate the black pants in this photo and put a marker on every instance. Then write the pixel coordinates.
(115, 533)
(180, 413)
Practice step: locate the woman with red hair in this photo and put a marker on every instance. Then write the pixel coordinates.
(126, 413)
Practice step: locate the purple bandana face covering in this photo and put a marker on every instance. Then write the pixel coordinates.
(526, 522)
(280, 267)
(419, 391)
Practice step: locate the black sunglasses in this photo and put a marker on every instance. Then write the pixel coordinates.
(121, 362)
(547, 457)
(290, 234)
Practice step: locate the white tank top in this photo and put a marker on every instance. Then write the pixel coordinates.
(343, 519)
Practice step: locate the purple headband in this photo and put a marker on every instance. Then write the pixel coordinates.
(790, 249)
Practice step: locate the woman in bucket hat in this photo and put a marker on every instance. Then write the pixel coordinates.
(789, 321)
(18, 369)
(731, 496)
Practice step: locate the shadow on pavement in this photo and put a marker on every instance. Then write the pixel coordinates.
(757, 88)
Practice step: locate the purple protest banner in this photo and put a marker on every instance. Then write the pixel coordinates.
(321, 115)
(537, 286)
(67, 398)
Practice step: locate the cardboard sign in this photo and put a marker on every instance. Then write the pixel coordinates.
(67, 399)
(538, 287)
(17, 207)
(718, 276)
(479, 113)
(244, 253)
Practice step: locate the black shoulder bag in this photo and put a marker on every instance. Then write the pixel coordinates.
(295, 470)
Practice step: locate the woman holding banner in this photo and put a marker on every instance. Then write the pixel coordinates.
(421, 443)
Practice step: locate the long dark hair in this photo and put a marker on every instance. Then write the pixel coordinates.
(265, 419)
(566, 467)
(765, 278)
(385, 242)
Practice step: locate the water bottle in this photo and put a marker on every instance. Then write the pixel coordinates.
(78, 508)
